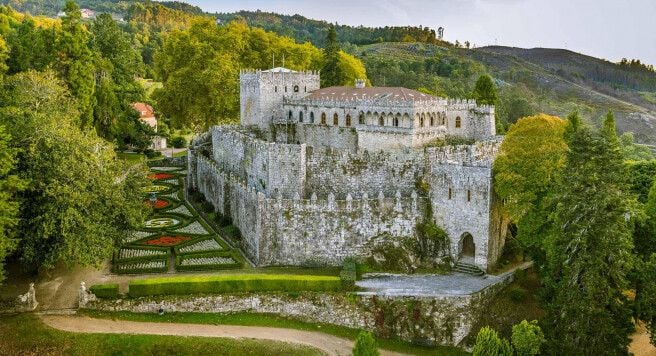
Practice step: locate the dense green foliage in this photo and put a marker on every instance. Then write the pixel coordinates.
(332, 73)
(527, 338)
(365, 345)
(488, 343)
(232, 283)
(485, 92)
(10, 184)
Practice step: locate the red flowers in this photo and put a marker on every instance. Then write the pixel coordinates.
(167, 240)
(158, 176)
(158, 204)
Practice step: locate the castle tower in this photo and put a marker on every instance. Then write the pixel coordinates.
(262, 93)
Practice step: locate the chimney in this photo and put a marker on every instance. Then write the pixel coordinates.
(359, 83)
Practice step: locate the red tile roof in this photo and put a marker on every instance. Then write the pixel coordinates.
(144, 110)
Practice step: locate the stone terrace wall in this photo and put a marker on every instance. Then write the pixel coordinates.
(324, 232)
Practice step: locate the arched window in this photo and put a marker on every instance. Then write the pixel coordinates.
(361, 118)
(348, 120)
(432, 123)
(421, 121)
(275, 88)
(289, 115)
(323, 118)
(305, 89)
(443, 119)
(312, 117)
(458, 122)
(295, 88)
(335, 120)
(285, 88)
(300, 116)
(396, 122)
(468, 195)
(381, 121)
(449, 193)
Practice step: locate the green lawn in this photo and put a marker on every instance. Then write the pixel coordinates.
(131, 157)
(270, 320)
(26, 335)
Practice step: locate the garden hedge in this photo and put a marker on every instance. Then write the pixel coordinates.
(105, 290)
(232, 283)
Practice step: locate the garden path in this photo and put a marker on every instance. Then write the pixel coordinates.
(332, 345)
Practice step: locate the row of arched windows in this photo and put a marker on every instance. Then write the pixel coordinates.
(384, 119)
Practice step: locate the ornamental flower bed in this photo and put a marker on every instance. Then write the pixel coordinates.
(205, 245)
(160, 223)
(159, 176)
(155, 189)
(157, 204)
(129, 253)
(203, 261)
(167, 240)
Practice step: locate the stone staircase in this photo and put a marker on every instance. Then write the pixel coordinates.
(468, 268)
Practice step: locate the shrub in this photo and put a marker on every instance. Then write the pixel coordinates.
(517, 294)
(488, 343)
(365, 345)
(105, 290)
(179, 142)
(348, 275)
(152, 154)
(232, 284)
(527, 338)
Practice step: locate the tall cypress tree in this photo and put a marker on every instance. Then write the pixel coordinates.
(589, 250)
(331, 73)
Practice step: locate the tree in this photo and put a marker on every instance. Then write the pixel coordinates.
(80, 198)
(75, 61)
(485, 92)
(332, 73)
(365, 345)
(10, 185)
(525, 170)
(488, 343)
(527, 338)
(589, 248)
(4, 54)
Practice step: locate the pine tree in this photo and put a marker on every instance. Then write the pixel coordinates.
(589, 250)
(75, 63)
(332, 73)
(488, 343)
(485, 92)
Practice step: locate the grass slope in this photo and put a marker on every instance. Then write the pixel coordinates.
(26, 335)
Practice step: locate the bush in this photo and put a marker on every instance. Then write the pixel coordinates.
(152, 154)
(179, 142)
(348, 275)
(488, 343)
(517, 294)
(233, 284)
(527, 338)
(365, 345)
(109, 291)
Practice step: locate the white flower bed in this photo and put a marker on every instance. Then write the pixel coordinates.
(205, 245)
(125, 253)
(193, 228)
(182, 172)
(166, 169)
(159, 223)
(173, 195)
(142, 265)
(201, 261)
(173, 181)
(182, 209)
(135, 235)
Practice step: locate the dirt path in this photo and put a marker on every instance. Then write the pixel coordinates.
(332, 345)
(640, 345)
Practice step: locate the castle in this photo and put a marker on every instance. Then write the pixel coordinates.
(315, 175)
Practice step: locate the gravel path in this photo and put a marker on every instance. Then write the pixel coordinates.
(427, 285)
(332, 345)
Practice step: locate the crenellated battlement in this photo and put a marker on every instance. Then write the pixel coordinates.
(479, 154)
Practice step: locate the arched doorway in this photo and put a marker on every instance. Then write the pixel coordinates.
(467, 246)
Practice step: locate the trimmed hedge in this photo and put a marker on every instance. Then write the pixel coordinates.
(236, 264)
(232, 284)
(109, 291)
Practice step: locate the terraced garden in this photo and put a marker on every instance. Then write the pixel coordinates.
(175, 237)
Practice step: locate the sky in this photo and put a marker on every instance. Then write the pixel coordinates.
(602, 28)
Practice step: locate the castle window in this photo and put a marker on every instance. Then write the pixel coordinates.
(469, 195)
(312, 117)
(305, 89)
(449, 193)
(335, 120)
(421, 122)
(361, 119)
(300, 116)
(348, 120)
(323, 118)
(275, 88)
(381, 121)
(396, 121)
(295, 88)
(285, 88)
(458, 122)
(432, 123)
(289, 115)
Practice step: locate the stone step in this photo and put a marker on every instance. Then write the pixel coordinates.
(468, 268)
